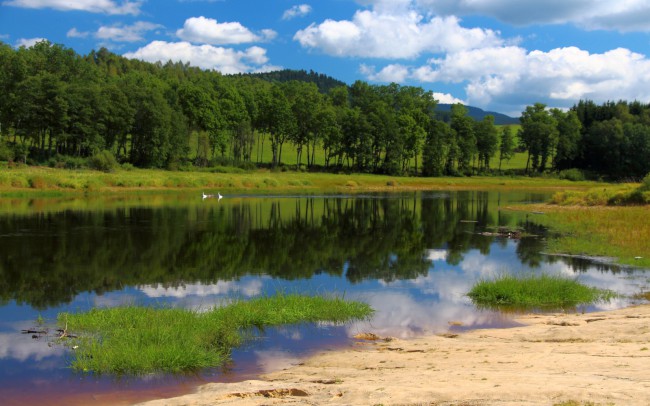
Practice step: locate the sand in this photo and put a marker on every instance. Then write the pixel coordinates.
(602, 358)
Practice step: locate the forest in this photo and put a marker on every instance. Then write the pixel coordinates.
(63, 109)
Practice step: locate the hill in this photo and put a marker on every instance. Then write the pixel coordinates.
(325, 83)
(443, 111)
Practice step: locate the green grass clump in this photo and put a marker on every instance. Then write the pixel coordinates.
(136, 340)
(529, 292)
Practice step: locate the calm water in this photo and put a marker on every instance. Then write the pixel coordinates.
(411, 256)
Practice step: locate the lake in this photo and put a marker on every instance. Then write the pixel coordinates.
(412, 256)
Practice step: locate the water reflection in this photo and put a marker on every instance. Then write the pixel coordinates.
(413, 257)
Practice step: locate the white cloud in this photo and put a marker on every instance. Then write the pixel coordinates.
(92, 6)
(622, 15)
(446, 98)
(126, 33)
(209, 31)
(394, 33)
(297, 11)
(28, 42)
(509, 78)
(391, 73)
(225, 60)
(252, 288)
(74, 33)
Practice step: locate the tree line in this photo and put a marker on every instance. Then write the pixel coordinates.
(57, 104)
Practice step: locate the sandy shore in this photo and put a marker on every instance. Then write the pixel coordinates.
(602, 358)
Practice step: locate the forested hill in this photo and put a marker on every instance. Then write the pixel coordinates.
(443, 112)
(325, 83)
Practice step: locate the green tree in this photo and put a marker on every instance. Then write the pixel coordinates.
(487, 141)
(568, 138)
(506, 145)
(436, 149)
(463, 127)
(538, 134)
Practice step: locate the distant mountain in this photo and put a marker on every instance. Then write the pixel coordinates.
(443, 112)
(325, 83)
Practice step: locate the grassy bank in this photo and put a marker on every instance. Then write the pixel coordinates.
(139, 340)
(621, 233)
(27, 181)
(534, 292)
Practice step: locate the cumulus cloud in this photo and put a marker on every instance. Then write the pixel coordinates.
(393, 32)
(296, 11)
(625, 15)
(558, 77)
(28, 42)
(91, 6)
(446, 98)
(510, 77)
(209, 31)
(225, 60)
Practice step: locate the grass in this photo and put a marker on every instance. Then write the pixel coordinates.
(621, 233)
(135, 340)
(610, 195)
(29, 181)
(534, 292)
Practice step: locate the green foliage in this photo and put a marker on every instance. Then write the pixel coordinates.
(103, 161)
(530, 292)
(6, 152)
(573, 174)
(164, 116)
(645, 185)
(141, 340)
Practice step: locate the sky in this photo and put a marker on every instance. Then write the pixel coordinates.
(499, 55)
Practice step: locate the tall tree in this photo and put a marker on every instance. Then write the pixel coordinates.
(506, 145)
(538, 134)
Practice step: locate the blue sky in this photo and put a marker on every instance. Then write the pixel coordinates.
(500, 55)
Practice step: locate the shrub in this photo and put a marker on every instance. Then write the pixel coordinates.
(71, 162)
(6, 153)
(645, 184)
(574, 175)
(103, 161)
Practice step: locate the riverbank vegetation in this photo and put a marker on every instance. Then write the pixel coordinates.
(104, 111)
(535, 292)
(43, 180)
(618, 234)
(606, 195)
(140, 340)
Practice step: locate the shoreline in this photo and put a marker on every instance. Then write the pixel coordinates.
(596, 357)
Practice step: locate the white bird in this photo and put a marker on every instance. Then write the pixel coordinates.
(219, 195)
(204, 195)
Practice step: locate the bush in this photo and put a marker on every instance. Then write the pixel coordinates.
(103, 161)
(645, 184)
(574, 175)
(6, 152)
(71, 162)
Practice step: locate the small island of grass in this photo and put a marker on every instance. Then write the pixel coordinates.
(134, 340)
(535, 292)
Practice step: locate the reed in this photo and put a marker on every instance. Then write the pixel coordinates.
(134, 340)
(535, 292)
